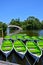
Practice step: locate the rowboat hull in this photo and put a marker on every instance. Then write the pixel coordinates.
(7, 53)
(33, 53)
(35, 56)
(20, 48)
(20, 54)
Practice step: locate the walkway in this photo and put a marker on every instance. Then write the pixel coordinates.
(7, 63)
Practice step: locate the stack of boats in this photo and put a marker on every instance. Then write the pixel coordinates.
(35, 49)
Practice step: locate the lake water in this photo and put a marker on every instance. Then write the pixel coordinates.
(33, 32)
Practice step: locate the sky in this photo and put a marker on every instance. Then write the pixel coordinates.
(22, 9)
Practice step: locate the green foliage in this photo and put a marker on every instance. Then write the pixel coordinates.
(42, 24)
(33, 23)
(30, 23)
(15, 22)
(3, 26)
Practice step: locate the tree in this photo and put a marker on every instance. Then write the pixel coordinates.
(33, 23)
(15, 22)
(4, 27)
(30, 23)
(42, 24)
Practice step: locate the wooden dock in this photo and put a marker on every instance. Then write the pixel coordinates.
(7, 63)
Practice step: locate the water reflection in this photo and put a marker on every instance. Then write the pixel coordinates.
(41, 32)
(32, 32)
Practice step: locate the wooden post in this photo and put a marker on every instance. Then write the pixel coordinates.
(2, 33)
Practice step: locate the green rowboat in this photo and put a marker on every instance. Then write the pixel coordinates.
(6, 47)
(41, 37)
(40, 44)
(33, 49)
(20, 48)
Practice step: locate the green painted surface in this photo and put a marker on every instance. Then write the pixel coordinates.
(19, 46)
(13, 37)
(33, 48)
(27, 37)
(6, 45)
(7, 37)
(41, 37)
(40, 44)
(20, 37)
(35, 38)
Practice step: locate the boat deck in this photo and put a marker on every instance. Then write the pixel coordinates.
(35, 38)
(33, 48)
(41, 37)
(6, 45)
(19, 46)
(40, 44)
